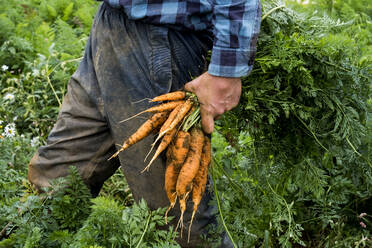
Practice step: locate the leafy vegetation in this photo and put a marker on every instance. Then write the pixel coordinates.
(65, 216)
(303, 156)
(41, 44)
(292, 164)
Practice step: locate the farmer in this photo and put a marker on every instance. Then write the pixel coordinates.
(138, 50)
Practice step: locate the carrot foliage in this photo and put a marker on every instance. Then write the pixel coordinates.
(294, 159)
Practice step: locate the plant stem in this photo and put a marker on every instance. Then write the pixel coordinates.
(352, 147)
(3, 231)
(144, 231)
(314, 135)
(219, 209)
(191, 120)
(51, 86)
(271, 11)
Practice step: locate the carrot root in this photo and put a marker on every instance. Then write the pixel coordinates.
(192, 163)
(158, 108)
(200, 179)
(183, 111)
(172, 96)
(192, 219)
(143, 131)
(171, 205)
(164, 143)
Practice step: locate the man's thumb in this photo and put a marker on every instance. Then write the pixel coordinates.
(190, 86)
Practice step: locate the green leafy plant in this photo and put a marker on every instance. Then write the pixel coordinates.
(64, 206)
(297, 166)
(113, 225)
(66, 216)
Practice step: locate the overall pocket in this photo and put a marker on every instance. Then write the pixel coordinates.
(160, 60)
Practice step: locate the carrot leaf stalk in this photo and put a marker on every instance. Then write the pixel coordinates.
(192, 119)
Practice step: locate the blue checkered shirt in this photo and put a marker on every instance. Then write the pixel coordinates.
(235, 25)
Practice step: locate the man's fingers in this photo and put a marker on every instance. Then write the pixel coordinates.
(207, 120)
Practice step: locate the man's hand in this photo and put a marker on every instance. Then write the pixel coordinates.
(216, 96)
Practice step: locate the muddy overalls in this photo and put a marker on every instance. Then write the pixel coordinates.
(124, 62)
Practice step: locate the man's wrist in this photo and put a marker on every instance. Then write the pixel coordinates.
(224, 79)
(229, 62)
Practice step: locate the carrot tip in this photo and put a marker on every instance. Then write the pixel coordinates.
(115, 155)
(144, 99)
(192, 219)
(147, 168)
(148, 154)
(180, 224)
(166, 214)
(129, 118)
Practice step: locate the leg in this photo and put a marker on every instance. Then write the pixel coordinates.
(80, 137)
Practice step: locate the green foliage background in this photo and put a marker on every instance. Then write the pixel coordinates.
(292, 163)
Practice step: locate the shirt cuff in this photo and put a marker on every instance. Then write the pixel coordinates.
(230, 62)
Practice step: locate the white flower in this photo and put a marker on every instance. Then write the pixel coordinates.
(35, 72)
(8, 96)
(4, 67)
(15, 118)
(35, 141)
(9, 130)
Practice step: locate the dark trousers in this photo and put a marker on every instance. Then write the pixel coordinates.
(125, 62)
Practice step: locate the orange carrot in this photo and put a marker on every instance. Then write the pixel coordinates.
(166, 124)
(172, 96)
(163, 144)
(143, 131)
(158, 108)
(171, 117)
(175, 117)
(181, 147)
(182, 112)
(176, 155)
(190, 168)
(171, 175)
(191, 165)
(200, 179)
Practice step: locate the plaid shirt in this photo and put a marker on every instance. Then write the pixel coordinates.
(234, 23)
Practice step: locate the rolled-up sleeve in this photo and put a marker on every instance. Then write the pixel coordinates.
(236, 25)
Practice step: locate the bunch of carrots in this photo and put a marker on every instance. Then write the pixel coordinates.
(188, 148)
